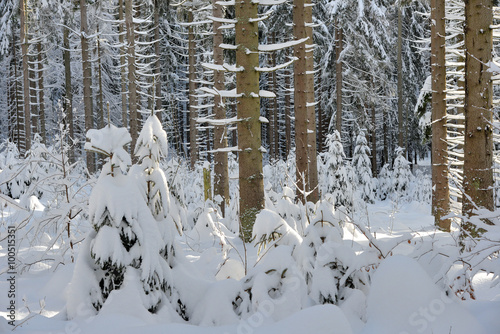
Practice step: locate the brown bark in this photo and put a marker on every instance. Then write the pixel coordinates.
(305, 114)
(87, 80)
(132, 85)
(193, 113)
(249, 129)
(288, 107)
(19, 127)
(338, 75)
(100, 96)
(478, 149)
(440, 187)
(26, 82)
(221, 176)
(374, 142)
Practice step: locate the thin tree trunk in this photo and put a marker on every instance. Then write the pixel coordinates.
(41, 98)
(338, 74)
(35, 124)
(275, 134)
(249, 129)
(18, 109)
(157, 72)
(478, 150)
(440, 188)
(87, 80)
(288, 107)
(221, 176)
(132, 85)
(193, 114)
(374, 142)
(100, 96)
(386, 136)
(26, 80)
(400, 79)
(68, 98)
(123, 70)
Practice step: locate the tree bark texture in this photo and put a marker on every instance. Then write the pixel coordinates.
(132, 84)
(26, 80)
(193, 112)
(248, 108)
(478, 150)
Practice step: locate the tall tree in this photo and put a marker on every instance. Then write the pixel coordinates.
(26, 81)
(221, 176)
(193, 114)
(339, 35)
(87, 79)
(249, 128)
(478, 148)
(132, 83)
(440, 187)
(305, 113)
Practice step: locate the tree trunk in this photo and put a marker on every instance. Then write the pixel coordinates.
(249, 128)
(26, 80)
(338, 75)
(35, 125)
(41, 97)
(193, 114)
(275, 134)
(132, 85)
(87, 81)
(374, 141)
(123, 71)
(305, 115)
(68, 98)
(440, 188)
(18, 110)
(478, 149)
(221, 176)
(400, 79)
(157, 72)
(100, 96)
(288, 107)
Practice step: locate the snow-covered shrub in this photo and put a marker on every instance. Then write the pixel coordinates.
(422, 188)
(125, 235)
(384, 186)
(275, 287)
(12, 171)
(329, 265)
(362, 167)
(272, 230)
(339, 177)
(401, 177)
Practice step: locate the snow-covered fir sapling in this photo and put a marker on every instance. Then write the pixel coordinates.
(362, 167)
(12, 175)
(402, 176)
(339, 178)
(125, 241)
(384, 182)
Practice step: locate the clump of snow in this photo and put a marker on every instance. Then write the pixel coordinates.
(403, 299)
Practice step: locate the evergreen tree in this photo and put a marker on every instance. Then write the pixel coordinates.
(362, 167)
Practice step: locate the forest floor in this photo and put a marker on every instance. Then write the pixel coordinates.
(403, 298)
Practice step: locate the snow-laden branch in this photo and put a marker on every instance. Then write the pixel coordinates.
(280, 46)
(222, 93)
(218, 122)
(277, 67)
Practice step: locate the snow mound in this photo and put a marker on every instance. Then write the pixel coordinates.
(403, 299)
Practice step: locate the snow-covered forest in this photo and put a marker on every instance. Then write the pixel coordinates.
(253, 166)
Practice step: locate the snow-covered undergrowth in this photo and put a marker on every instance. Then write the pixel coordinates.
(152, 256)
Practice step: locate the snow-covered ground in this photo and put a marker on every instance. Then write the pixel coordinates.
(404, 296)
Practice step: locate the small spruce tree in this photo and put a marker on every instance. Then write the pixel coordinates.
(362, 167)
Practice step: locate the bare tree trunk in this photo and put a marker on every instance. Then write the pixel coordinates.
(249, 129)
(305, 115)
(18, 100)
(87, 81)
(338, 73)
(41, 97)
(123, 71)
(26, 80)
(193, 114)
(374, 141)
(478, 150)
(440, 188)
(288, 107)
(157, 72)
(275, 134)
(400, 79)
(100, 96)
(68, 98)
(221, 176)
(386, 136)
(35, 124)
(132, 85)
